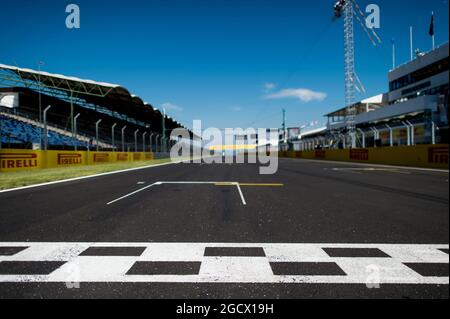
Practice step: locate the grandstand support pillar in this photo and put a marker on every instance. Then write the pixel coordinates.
(391, 135)
(433, 133)
(408, 134)
(150, 139)
(156, 144)
(45, 128)
(72, 126)
(1, 131)
(412, 136)
(344, 140)
(75, 130)
(164, 123)
(353, 139)
(376, 135)
(143, 141)
(167, 145)
(113, 137)
(135, 140)
(96, 135)
(40, 64)
(363, 138)
(123, 138)
(163, 144)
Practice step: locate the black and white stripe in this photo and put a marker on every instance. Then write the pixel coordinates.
(224, 263)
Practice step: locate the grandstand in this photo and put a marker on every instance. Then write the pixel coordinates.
(81, 110)
(19, 133)
(413, 112)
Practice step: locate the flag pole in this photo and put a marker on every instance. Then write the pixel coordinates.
(393, 55)
(433, 36)
(411, 42)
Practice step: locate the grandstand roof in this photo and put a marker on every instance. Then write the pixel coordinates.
(373, 102)
(111, 96)
(317, 131)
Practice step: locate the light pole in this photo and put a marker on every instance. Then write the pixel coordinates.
(45, 128)
(96, 133)
(135, 140)
(123, 138)
(40, 63)
(143, 141)
(113, 138)
(75, 131)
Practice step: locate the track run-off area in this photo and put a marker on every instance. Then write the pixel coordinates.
(313, 229)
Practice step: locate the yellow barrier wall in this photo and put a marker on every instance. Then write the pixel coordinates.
(428, 156)
(20, 160)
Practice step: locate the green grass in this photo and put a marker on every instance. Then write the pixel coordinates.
(32, 177)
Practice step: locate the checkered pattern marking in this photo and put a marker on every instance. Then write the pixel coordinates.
(224, 263)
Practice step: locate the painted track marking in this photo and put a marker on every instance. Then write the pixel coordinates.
(237, 184)
(76, 267)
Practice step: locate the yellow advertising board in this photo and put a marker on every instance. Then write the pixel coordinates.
(54, 159)
(428, 156)
(20, 160)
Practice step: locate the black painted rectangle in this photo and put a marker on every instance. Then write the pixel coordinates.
(234, 252)
(165, 268)
(113, 251)
(29, 267)
(430, 270)
(356, 253)
(11, 251)
(306, 269)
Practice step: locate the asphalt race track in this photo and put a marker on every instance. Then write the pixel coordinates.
(313, 230)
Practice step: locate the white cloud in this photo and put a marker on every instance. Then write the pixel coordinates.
(171, 107)
(304, 95)
(269, 87)
(236, 108)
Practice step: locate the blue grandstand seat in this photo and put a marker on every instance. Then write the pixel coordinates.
(17, 132)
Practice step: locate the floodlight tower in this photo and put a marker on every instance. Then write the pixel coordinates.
(349, 58)
(346, 8)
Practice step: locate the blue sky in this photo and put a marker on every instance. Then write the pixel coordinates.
(213, 59)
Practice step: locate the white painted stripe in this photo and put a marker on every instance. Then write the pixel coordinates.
(87, 177)
(180, 183)
(132, 193)
(227, 269)
(368, 165)
(241, 194)
(369, 169)
(241, 279)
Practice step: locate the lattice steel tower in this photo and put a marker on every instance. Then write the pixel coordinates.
(349, 56)
(350, 9)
